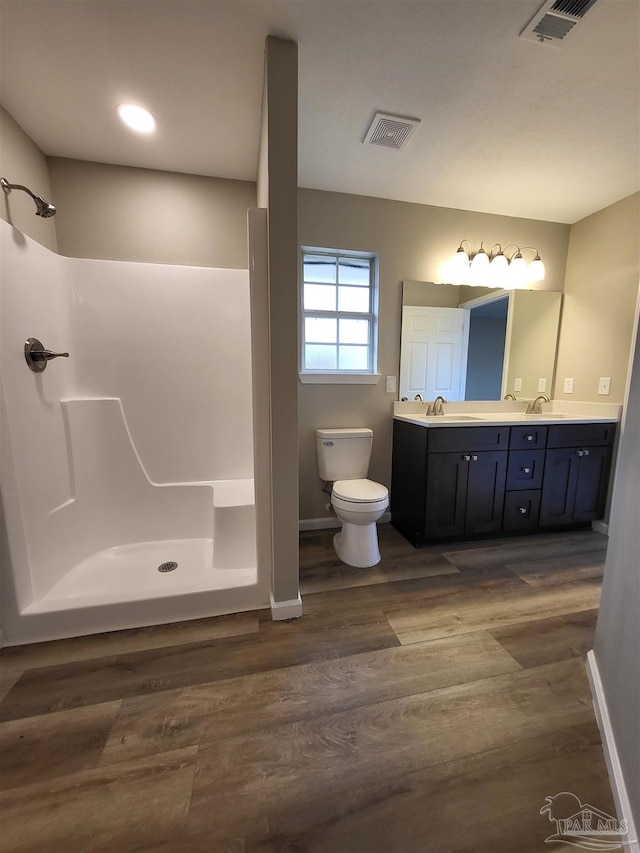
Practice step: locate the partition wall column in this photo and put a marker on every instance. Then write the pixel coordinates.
(277, 192)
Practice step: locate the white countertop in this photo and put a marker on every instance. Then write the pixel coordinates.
(506, 413)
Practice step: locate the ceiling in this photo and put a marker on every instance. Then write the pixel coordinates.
(507, 126)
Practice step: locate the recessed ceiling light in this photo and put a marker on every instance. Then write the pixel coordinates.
(137, 118)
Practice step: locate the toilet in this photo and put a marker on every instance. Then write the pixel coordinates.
(343, 460)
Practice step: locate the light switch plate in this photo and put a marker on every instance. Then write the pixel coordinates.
(568, 386)
(391, 385)
(517, 384)
(604, 385)
(542, 384)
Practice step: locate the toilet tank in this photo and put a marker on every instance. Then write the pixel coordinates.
(343, 454)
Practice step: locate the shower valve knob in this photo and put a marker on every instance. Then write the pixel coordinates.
(37, 356)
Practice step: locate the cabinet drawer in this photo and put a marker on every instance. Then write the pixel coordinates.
(526, 436)
(451, 439)
(525, 469)
(580, 435)
(521, 510)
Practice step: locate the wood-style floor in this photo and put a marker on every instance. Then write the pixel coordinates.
(429, 705)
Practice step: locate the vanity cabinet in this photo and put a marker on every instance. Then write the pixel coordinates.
(457, 482)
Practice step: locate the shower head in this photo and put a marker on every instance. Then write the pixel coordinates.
(43, 208)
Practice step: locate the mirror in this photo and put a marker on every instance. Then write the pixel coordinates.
(477, 343)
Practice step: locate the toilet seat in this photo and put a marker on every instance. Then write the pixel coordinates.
(360, 491)
(359, 495)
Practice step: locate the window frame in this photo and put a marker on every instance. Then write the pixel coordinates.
(340, 376)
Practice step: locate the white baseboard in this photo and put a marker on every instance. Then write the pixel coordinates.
(618, 788)
(600, 527)
(289, 609)
(329, 521)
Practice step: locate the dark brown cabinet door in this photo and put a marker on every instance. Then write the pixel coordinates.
(574, 490)
(446, 494)
(559, 486)
(465, 493)
(485, 492)
(591, 488)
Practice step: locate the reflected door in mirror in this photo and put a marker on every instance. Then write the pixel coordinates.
(434, 352)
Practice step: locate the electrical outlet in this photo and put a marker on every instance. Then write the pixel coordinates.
(391, 385)
(542, 384)
(604, 385)
(568, 386)
(517, 384)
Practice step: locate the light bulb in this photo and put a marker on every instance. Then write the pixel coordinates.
(498, 270)
(517, 276)
(536, 270)
(479, 273)
(459, 267)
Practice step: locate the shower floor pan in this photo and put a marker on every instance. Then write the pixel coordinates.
(137, 572)
(130, 572)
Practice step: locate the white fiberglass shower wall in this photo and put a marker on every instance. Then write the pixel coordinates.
(134, 452)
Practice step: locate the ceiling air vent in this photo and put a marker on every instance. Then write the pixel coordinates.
(390, 131)
(555, 19)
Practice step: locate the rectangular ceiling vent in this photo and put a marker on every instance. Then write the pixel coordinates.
(555, 19)
(391, 131)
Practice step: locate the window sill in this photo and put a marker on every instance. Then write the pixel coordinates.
(340, 378)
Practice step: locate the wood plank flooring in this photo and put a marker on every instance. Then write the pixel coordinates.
(428, 705)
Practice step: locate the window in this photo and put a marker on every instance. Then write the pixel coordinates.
(338, 317)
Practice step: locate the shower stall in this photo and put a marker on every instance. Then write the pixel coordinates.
(126, 472)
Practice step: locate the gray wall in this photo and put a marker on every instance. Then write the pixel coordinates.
(617, 645)
(22, 162)
(486, 358)
(599, 302)
(129, 214)
(413, 240)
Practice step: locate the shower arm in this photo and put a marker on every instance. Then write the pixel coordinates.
(7, 187)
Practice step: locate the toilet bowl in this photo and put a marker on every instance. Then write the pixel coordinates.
(358, 504)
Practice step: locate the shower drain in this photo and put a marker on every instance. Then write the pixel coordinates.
(167, 567)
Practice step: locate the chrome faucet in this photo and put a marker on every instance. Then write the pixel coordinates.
(535, 408)
(509, 397)
(419, 398)
(436, 408)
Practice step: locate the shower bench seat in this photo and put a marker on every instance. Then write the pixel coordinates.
(234, 524)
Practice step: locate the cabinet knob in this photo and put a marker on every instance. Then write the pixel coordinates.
(522, 510)
(529, 437)
(475, 458)
(585, 452)
(579, 452)
(525, 470)
(466, 457)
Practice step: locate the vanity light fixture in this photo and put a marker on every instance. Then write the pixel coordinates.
(479, 269)
(137, 118)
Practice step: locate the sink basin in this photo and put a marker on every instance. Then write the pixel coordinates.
(436, 418)
(549, 416)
